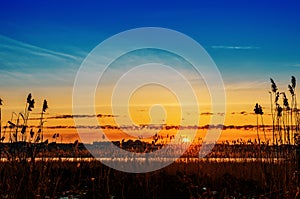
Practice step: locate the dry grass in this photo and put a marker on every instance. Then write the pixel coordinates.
(179, 180)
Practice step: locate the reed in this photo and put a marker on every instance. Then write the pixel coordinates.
(274, 93)
(1, 136)
(28, 108)
(285, 116)
(258, 111)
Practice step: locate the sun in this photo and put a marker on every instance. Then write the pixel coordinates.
(185, 140)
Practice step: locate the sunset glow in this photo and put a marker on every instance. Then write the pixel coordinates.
(46, 66)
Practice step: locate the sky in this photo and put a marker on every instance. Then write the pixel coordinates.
(43, 43)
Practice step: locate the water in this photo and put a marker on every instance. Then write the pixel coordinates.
(162, 159)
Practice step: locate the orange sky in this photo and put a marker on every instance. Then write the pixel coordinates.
(238, 114)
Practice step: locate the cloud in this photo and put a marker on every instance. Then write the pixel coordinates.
(12, 44)
(221, 114)
(241, 113)
(159, 127)
(206, 113)
(67, 116)
(22, 64)
(236, 47)
(209, 113)
(246, 85)
(295, 65)
(141, 110)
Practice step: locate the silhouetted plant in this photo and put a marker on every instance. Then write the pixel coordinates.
(31, 133)
(14, 127)
(40, 134)
(293, 81)
(274, 86)
(258, 111)
(294, 113)
(55, 136)
(45, 105)
(1, 137)
(28, 108)
(278, 121)
(283, 115)
(276, 96)
(285, 119)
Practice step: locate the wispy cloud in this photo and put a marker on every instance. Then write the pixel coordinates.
(12, 44)
(295, 65)
(206, 113)
(240, 113)
(158, 127)
(22, 63)
(76, 116)
(235, 47)
(246, 85)
(209, 113)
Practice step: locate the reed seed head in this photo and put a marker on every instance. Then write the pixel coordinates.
(273, 86)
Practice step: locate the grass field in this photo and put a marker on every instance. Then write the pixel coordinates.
(203, 179)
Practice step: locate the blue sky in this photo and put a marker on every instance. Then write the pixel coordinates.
(44, 42)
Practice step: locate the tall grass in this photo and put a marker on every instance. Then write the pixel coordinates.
(40, 134)
(273, 112)
(258, 111)
(285, 115)
(179, 180)
(28, 108)
(1, 136)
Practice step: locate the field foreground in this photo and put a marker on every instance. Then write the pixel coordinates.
(202, 179)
